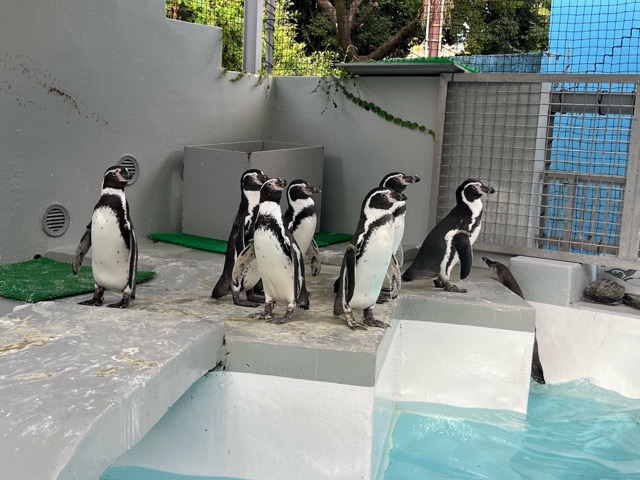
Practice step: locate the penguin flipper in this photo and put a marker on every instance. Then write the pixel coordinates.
(462, 245)
(346, 281)
(313, 254)
(223, 285)
(81, 250)
(536, 366)
(133, 263)
(244, 268)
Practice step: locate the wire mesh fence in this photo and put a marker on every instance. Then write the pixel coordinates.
(562, 153)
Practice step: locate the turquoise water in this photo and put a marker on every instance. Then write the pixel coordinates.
(571, 431)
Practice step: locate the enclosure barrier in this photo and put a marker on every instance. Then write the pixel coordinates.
(562, 152)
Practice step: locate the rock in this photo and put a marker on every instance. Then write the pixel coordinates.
(631, 300)
(604, 291)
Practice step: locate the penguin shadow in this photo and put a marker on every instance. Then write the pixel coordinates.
(506, 278)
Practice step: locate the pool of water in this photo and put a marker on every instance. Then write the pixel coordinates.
(574, 430)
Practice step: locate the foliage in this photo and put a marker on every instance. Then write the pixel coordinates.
(290, 56)
(338, 84)
(370, 31)
(486, 27)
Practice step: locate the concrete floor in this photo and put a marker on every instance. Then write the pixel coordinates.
(73, 374)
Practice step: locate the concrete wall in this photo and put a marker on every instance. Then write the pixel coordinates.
(83, 83)
(360, 147)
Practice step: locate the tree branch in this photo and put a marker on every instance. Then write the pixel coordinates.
(365, 15)
(392, 43)
(353, 11)
(328, 8)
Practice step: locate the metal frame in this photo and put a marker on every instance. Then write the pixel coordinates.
(535, 122)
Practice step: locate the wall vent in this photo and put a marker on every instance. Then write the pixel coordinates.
(132, 165)
(55, 220)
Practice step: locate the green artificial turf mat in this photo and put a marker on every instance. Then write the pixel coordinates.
(220, 246)
(45, 279)
(191, 241)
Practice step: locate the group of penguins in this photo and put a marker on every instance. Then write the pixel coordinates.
(266, 250)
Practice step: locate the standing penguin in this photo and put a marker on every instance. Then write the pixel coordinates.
(300, 219)
(506, 278)
(397, 182)
(240, 236)
(115, 250)
(277, 255)
(451, 239)
(366, 259)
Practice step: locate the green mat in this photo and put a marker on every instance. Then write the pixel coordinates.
(45, 279)
(220, 246)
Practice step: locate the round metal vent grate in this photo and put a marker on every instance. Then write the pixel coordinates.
(132, 165)
(55, 220)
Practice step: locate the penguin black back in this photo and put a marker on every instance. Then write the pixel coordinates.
(241, 232)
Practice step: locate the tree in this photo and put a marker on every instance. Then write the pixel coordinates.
(486, 27)
(361, 29)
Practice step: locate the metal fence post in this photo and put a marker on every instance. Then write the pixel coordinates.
(252, 51)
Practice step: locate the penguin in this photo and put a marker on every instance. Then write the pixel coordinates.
(451, 239)
(506, 278)
(115, 249)
(300, 219)
(366, 258)
(278, 257)
(240, 236)
(397, 182)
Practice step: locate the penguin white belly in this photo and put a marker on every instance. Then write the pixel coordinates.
(398, 232)
(110, 255)
(371, 267)
(276, 268)
(304, 233)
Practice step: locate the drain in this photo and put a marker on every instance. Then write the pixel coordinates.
(55, 220)
(132, 165)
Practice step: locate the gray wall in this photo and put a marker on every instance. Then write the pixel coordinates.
(84, 82)
(360, 147)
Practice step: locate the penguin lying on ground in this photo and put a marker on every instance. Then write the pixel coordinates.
(240, 236)
(397, 182)
(366, 259)
(115, 251)
(300, 219)
(277, 255)
(506, 278)
(451, 239)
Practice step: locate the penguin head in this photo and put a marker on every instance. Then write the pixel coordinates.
(300, 190)
(471, 190)
(381, 198)
(398, 181)
(490, 263)
(252, 180)
(271, 190)
(117, 176)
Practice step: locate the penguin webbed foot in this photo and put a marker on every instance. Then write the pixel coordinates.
(286, 318)
(244, 303)
(94, 302)
(268, 311)
(370, 321)
(352, 323)
(97, 300)
(448, 287)
(384, 297)
(124, 303)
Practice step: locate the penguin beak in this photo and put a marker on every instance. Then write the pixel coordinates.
(124, 174)
(487, 261)
(486, 189)
(263, 178)
(410, 179)
(312, 190)
(398, 197)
